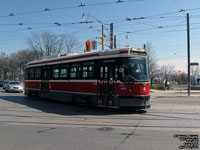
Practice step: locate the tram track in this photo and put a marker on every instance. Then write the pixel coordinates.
(89, 117)
(88, 114)
(99, 125)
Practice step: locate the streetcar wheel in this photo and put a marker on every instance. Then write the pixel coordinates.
(29, 94)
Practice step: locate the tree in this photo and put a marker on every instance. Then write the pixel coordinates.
(194, 73)
(151, 61)
(12, 67)
(166, 72)
(71, 43)
(48, 43)
(4, 65)
(22, 57)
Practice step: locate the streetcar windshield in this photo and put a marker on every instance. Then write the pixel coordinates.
(134, 70)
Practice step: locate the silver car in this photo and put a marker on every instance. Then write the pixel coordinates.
(14, 86)
(5, 82)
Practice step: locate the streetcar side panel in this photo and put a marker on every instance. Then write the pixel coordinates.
(104, 81)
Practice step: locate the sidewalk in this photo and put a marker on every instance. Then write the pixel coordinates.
(174, 93)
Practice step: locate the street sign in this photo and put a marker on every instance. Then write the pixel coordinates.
(94, 44)
(194, 64)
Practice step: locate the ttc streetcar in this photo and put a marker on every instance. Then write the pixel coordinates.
(115, 78)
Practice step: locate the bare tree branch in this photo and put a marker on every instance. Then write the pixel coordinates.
(48, 43)
(151, 61)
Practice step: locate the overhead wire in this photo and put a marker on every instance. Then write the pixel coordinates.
(83, 5)
(162, 16)
(177, 4)
(69, 7)
(28, 29)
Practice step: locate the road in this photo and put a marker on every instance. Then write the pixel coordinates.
(38, 124)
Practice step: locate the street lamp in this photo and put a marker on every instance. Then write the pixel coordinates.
(103, 36)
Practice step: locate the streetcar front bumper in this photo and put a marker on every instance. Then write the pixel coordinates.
(134, 102)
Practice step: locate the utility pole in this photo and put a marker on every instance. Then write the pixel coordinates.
(188, 49)
(111, 36)
(115, 42)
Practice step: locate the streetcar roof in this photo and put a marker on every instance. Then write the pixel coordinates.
(120, 52)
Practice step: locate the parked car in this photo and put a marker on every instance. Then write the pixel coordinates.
(5, 84)
(1, 83)
(14, 86)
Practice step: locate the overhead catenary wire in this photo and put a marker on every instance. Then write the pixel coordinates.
(69, 7)
(95, 4)
(162, 16)
(139, 18)
(175, 1)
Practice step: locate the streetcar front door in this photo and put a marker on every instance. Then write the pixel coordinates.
(107, 89)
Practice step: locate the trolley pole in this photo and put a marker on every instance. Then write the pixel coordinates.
(188, 49)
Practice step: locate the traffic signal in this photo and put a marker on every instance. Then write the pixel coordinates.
(102, 39)
(87, 46)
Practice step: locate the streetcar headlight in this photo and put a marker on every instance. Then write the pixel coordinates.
(144, 88)
(130, 89)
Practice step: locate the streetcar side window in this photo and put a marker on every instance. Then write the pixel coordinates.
(64, 69)
(101, 73)
(116, 72)
(88, 70)
(75, 71)
(37, 73)
(55, 72)
(26, 74)
(31, 73)
(44, 73)
(106, 72)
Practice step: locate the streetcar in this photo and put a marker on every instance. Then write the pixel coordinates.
(116, 78)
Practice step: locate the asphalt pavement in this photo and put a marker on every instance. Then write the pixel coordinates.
(40, 124)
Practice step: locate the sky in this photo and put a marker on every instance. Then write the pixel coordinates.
(160, 22)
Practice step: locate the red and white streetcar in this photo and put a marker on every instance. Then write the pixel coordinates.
(109, 78)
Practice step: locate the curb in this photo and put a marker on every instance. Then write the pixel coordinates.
(178, 96)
